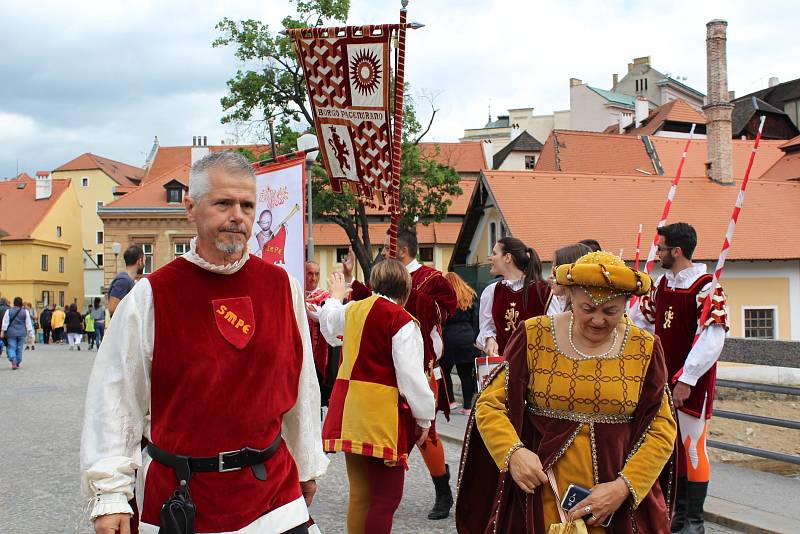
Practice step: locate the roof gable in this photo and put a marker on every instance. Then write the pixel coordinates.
(524, 142)
(674, 111)
(121, 173)
(463, 157)
(22, 213)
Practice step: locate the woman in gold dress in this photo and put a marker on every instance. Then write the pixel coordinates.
(581, 399)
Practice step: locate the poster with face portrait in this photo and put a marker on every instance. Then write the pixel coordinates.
(278, 230)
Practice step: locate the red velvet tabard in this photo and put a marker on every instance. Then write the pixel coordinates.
(680, 306)
(508, 311)
(208, 396)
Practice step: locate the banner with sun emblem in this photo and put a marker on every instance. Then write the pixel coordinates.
(347, 73)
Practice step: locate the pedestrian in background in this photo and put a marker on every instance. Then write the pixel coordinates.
(74, 326)
(4, 306)
(569, 254)
(33, 317)
(88, 327)
(44, 321)
(99, 318)
(16, 326)
(122, 284)
(57, 322)
(460, 332)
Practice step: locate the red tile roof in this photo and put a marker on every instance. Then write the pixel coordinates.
(152, 194)
(459, 205)
(597, 153)
(788, 166)
(122, 173)
(463, 157)
(169, 158)
(674, 111)
(22, 213)
(331, 234)
(549, 210)
(793, 142)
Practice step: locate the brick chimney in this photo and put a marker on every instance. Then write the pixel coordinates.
(718, 109)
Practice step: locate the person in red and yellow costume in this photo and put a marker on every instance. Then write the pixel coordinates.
(519, 295)
(381, 402)
(431, 302)
(225, 398)
(672, 310)
(581, 399)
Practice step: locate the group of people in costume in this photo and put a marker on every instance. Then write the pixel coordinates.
(222, 432)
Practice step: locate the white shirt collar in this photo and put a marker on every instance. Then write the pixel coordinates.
(515, 285)
(687, 277)
(385, 297)
(193, 257)
(413, 265)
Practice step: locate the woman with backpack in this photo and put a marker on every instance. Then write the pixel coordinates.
(16, 326)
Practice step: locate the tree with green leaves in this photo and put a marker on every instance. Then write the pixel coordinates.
(272, 86)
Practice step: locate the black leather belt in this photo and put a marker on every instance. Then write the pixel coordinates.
(221, 463)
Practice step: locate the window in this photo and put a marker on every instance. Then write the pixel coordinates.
(58, 231)
(61, 298)
(84, 182)
(61, 264)
(44, 262)
(503, 230)
(341, 254)
(99, 238)
(426, 254)
(530, 161)
(46, 297)
(174, 195)
(759, 323)
(147, 248)
(645, 84)
(181, 249)
(100, 204)
(492, 236)
(99, 260)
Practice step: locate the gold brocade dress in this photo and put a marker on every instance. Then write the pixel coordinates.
(587, 390)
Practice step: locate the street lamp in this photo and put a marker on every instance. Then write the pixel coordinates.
(115, 248)
(308, 142)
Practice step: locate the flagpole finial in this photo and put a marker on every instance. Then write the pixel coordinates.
(404, 3)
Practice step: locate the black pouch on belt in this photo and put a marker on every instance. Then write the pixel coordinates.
(177, 513)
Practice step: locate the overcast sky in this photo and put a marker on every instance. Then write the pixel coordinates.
(106, 76)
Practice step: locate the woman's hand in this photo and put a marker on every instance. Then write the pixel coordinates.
(602, 502)
(490, 347)
(337, 286)
(348, 264)
(526, 470)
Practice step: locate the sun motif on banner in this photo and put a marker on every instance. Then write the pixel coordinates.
(365, 71)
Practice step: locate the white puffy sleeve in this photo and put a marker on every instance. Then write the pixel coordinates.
(485, 321)
(118, 404)
(408, 358)
(302, 426)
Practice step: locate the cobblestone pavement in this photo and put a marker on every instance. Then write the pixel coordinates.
(41, 408)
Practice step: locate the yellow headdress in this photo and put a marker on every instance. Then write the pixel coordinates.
(603, 276)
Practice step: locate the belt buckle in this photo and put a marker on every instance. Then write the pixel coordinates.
(221, 459)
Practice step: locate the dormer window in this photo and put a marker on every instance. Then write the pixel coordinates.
(175, 191)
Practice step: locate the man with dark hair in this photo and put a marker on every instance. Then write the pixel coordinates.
(431, 302)
(122, 284)
(592, 244)
(44, 321)
(672, 310)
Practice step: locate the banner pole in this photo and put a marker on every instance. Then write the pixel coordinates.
(397, 138)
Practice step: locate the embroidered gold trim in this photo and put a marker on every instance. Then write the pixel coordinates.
(564, 448)
(617, 354)
(593, 443)
(507, 460)
(580, 417)
(628, 483)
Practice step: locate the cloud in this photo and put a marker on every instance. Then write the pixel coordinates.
(106, 76)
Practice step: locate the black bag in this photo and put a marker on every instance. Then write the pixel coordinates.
(177, 514)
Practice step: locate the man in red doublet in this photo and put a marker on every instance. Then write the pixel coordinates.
(431, 302)
(323, 357)
(672, 310)
(216, 413)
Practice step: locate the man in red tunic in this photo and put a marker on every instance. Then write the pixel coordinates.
(315, 298)
(672, 310)
(207, 363)
(431, 302)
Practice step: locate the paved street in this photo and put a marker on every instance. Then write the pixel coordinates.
(41, 406)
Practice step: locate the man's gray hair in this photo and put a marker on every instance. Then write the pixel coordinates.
(233, 163)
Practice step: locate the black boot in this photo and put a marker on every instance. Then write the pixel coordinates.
(444, 497)
(696, 498)
(679, 517)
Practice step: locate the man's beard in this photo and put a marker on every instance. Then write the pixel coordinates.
(667, 262)
(228, 248)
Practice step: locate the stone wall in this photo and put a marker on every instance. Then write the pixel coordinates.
(762, 352)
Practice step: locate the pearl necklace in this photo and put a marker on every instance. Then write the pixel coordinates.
(582, 354)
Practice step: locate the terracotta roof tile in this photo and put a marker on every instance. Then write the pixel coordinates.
(793, 142)
(463, 157)
(152, 193)
(22, 213)
(674, 111)
(458, 207)
(171, 157)
(610, 209)
(670, 149)
(122, 173)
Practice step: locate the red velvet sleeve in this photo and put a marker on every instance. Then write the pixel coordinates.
(360, 291)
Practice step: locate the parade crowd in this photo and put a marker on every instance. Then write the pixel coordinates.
(593, 417)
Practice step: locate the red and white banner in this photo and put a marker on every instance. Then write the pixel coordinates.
(347, 72)
(278, 231)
